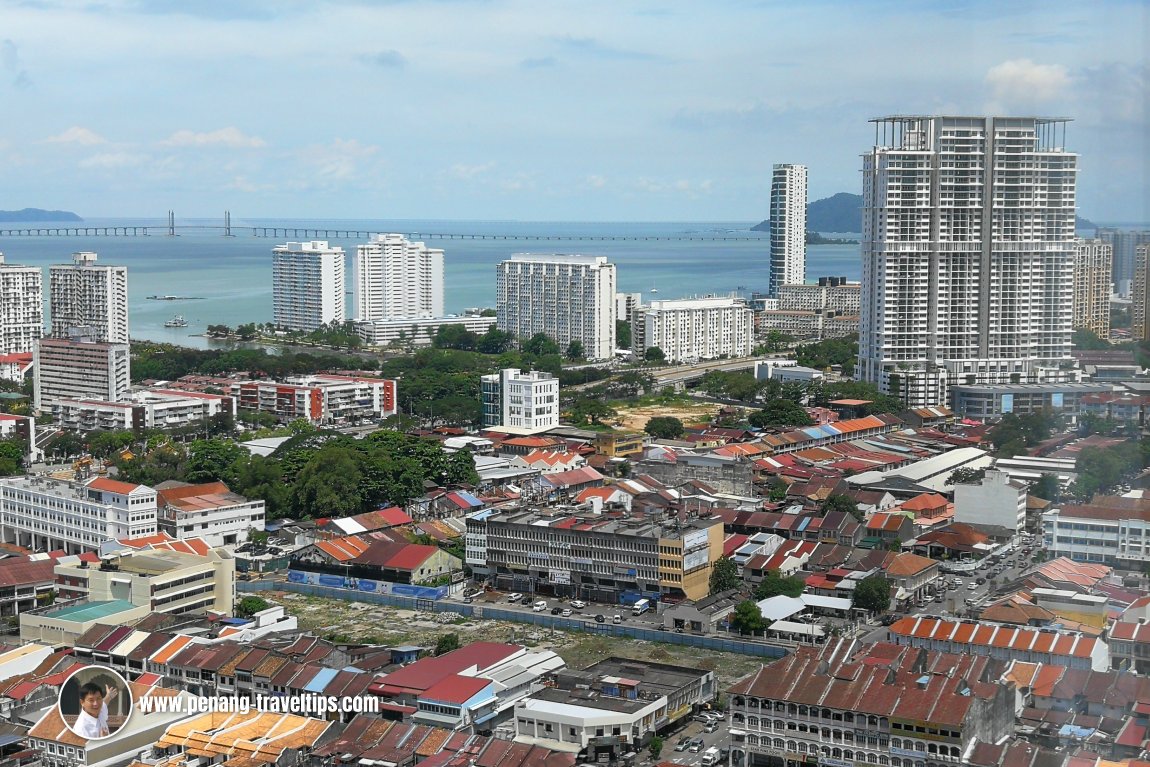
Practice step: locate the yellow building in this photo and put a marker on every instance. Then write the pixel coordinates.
(619, 444)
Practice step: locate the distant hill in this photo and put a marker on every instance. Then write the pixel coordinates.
(38, 214)
(843, 213)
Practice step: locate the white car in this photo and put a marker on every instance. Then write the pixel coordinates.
(539, 606)
(566, 613)
(514, 597)
(578, 604)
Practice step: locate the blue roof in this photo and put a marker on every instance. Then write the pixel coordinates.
(803, 524)
(483, 514)
(813, 432)
(320, 680)
(236, 621)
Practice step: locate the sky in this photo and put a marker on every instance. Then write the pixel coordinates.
(535, 110)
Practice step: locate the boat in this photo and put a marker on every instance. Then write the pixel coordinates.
(174, 298)
(654, 289)
(176, 322)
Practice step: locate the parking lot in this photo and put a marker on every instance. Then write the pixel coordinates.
(720, 738)
(615, 614)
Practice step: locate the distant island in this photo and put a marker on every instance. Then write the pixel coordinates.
(843, 213)
(32, 215)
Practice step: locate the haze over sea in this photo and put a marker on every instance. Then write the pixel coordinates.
(232, 275)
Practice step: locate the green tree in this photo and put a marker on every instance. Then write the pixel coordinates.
(654, 354)
(748, 618)
(447, 643)
(11, 457)
(775, 584)
(872, 594)
(574, 350)
(249, 606)
(655, 747)
(591, 410)
(329, 485)
(211, 460)
(725, 575)
(776, 341)
(843, 503)
(494, 341)
(461, 469)
(623, 334)
(779, 413)
(1085, 339)
(664, 427)
(454, 337)
(105, 444)
(1047, 487)
(964, 475)
(540, 345)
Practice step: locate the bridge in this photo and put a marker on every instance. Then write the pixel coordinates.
(678, 376)
(170, 229)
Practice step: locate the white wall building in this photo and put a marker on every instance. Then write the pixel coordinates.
(308, 285)
(830, 293)
(147, 409)
(692, 329)
(396, 278)
(417, 331)
(788, 227)
(210, 511)
(89, 301)
(523, 402)
(968, 254)
(1116, 533)
(569, 298)
(79, 369)
(995, 500)
(41, 513)
(21, 307)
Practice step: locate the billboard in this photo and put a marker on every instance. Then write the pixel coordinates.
(694, 539)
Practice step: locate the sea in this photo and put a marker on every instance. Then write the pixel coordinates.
(227, 280)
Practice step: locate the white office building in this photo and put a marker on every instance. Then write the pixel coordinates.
(523, 403)
(396, 278)
(968, 255)
(308, 285)
(146, 409)
(66, 369)
(1110, 530)
(788, 227)
(46, 514)
(21, 307)
(89, 300)
(569, 298)
(209, 511)
(995, 500)
(692, 329)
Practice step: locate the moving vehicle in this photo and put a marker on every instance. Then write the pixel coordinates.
(711, 726)
(556, 610)
(566, 612)
(514, 597)
(711, 757)
(176, 322)
(640, 607)
(578, 604)
(527, 600)
(972, 587)
(539, 606)
(696, 745)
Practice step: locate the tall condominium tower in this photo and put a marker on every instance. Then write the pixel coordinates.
(1092, 269)
(968, 254)
(21, 308)
(1140, 295)
(398, 279)
(569, 298)
(788, 227)
(307, 285)
(89, 301)
(1125, 243)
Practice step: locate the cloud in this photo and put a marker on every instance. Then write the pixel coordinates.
(1022, 80)
(462, 171)
(338, 161)
(589, 46)
(230, 137)
(681, 187)
(10, 60)
(77, 135)
(389, 59)
(596, 182)
(113, 161)
(540, 63)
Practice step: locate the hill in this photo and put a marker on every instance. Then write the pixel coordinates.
(38, 214)
(843, 213)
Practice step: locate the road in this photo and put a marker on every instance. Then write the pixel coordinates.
(720, 738)
(680, 373)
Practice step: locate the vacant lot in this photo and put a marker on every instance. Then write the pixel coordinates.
(379, 624)
(634, 419)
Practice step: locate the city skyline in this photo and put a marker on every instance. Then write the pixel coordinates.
(468, 110)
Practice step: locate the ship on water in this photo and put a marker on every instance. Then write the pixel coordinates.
(176, 322)
(174, 298)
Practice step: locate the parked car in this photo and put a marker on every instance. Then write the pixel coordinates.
(578, 604)
(527, 600)
(972, 587)
(683, 743)
(556, 610)
(711, 725)
(539, 606)
(514, 597)
(617, 620)
(567, 612)
(696, 745)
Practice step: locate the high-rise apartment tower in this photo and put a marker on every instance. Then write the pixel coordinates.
(308, 285)
(89, 301)
(788, 227)
(21, 307)
(1092, 270)
(397, 279)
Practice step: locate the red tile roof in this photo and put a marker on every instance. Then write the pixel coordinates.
(456, 689)
(1019, 639)
(113, 486)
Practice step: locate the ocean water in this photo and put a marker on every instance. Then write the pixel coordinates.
(231, 276)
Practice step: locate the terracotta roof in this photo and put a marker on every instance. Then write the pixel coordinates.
(909, 564)
(1018, 639)
(113, 486)
(924, 502)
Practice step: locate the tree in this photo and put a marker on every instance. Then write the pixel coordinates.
(775, 584)
(1046, 487)
(249, 606)
(664, 427)
(654, 354)
(574, 350)
(329, 485)
(724, 575)
(776, 341)
(494, 341)
(212, 460)
(872, 594)
(622, 334)
(843, 503)
(447, 643)
(778, 413)
(540, 345)
(461, 469)
(11, 457)
(965, 475)
(1085, 339)
(748, 618)
(591, 410)
(454, 337)
(655, 747)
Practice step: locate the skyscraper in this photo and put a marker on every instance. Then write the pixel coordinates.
(1124, 243)
(21, 307)
(307, 285)
(1140, 295)
(788, 227)
(89, 301)
(1092, 269)
(398, 279)
(968, 254)
(569, 298)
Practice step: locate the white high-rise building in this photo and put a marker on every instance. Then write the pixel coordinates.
(968, 255)
(398, 279)
(308, 285)
(520, 402)
(788, 227)
(76, 368)
(692, 329)
(21, 307)
(1092, 272)
(89, 301)
(569, 298)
